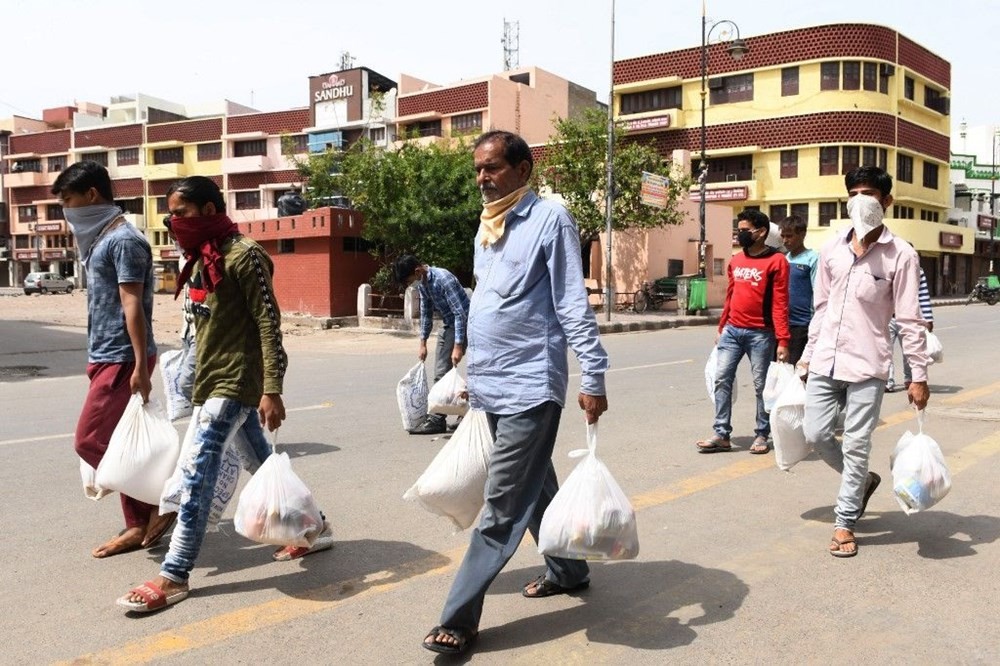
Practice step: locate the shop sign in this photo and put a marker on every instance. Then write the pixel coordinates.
(333, 87)
(53, 254)
(48, 226)
(949, 239)
(640, 124)
(654, 190)
(722, 194)
(25, 255)
(170, 254)
(985, 222)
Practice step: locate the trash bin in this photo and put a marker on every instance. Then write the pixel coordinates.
(698, 295)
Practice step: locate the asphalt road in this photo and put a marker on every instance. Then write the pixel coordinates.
(733, 565)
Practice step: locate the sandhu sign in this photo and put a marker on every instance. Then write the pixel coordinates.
(654, 189)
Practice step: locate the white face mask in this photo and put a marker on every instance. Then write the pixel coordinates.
(866, 214)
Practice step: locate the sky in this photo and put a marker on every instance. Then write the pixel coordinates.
(261, 52)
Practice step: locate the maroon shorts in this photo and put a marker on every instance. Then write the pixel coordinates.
(107, 398)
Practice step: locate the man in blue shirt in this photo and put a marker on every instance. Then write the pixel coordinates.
(530, 303)
(927, 314)
(439, 290)
(801, 278)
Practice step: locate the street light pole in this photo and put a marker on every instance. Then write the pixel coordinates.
(736, 49)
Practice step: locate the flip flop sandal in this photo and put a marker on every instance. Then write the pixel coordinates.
(544, 587)
(714, 444)
(463, 637)
(844, 542)
(873, 481)
(163, 532)
(760, 446)
(323, 542)
(153, 598)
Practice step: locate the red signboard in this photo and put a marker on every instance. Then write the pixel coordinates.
(25, 255)
(985, 222)
(722, 194)
(54, 254)
(948, 239)
(640, 124)
(170, 254)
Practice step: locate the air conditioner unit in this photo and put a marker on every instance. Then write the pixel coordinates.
(716, 83)
(731, 177)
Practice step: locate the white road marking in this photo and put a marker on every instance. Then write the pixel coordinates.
(644, 367)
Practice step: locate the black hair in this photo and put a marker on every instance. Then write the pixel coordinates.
(869, 175)
(81, 176)
(515, 149)
(200, 191)
(758, 219)
(794, 223)
(403, 268)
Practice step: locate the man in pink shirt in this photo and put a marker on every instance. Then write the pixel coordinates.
(865, 274)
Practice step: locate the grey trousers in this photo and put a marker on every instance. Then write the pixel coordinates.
(521, 483)
(893, 337)
(442, 359)
(824, 396)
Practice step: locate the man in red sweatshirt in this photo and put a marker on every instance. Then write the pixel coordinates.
(754, 318)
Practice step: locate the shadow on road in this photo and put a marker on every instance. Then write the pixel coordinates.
(303, 449)
(622, 607)
(33, 350)
(939, 535)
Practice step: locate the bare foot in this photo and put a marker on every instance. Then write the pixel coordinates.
(168, 586)
(128, 540)
(157, 527)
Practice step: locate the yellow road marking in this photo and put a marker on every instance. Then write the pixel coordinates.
(226, 626)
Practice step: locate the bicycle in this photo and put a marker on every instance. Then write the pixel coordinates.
(654, 294)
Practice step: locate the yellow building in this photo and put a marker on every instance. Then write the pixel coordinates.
(799, 110)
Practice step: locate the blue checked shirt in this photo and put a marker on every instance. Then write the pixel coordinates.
(441, 291)
(530, 303)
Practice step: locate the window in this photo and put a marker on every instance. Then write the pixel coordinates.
(248, 200)
(852, 75)
(295, 144)
(868, 155)
(883, 158)
(27, 213)
(249, 148)
(829, 161)
(870, 79)
(789, 164)
(718, 266)
(101, 158)
(286, 245)
(729, 169)
(778, 212)
(933, 99)
(789, 81)
(909, 88)
(34, 166)
(902, 212)
(377, 134)
(467, 122)
(885, 70)
(851, 159)
(56, 164)
(131, 206)
(728, 89)
(208, 152)
(54, 212)
(427, 128)
(168, 156)
(843, 211)
(356, 244)
(904, 168)
(829, 76)
(651, 100)
(161, 206)
(801, 211)
(930, 175)
(127, 156)
(827, 212)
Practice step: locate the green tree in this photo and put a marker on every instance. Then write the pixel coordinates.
(573, 165)
(418, 199)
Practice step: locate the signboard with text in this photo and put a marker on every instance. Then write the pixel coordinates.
(48, 226)
(640, 124)
(722, 194)
(985, 222)
(949, 239)
(654, 189)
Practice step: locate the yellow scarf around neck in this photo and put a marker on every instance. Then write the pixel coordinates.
(494, 215)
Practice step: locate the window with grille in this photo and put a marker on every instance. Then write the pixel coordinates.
(930, 175)
(27, 213)
(904, 168)
(778, 212)
(801, 211)
(651, 100)
(127, 156)
(829, 161)
(852, 75)
(249, 148)
(168, 156)
(54, 212)
(869, 80)
(827, 212)
(851, 158)
(208, 152)
(56, 164)
(829, 76)
(789, 81)
(789, 164)
(101, 158)
(295, 144)
(729, 89)
(909, 88)
(248, 200)
(467, 122)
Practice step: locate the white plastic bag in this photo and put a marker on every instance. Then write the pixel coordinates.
(276, 507)
(778, 375)
(171, 369)
(920, 477)
(225, 483)
(590, 518)
(142, 452)
(446, 396)
(790, 446)
(453, 484)
(710, 371)
(934, 348)
(411, 394)
(89, 477)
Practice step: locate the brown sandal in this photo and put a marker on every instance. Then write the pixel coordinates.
(714, 444)
(840, 543)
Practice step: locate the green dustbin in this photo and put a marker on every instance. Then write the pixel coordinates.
(698, 294)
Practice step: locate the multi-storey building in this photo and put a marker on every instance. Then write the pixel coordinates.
(12, 126)
(974, 156)
(802, 108)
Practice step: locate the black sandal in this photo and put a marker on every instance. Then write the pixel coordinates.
(544, 587)
(463, 640)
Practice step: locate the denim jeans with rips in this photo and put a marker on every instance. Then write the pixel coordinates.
(219, 421)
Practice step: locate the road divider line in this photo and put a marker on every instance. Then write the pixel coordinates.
(971, 394)
(644, 367)
(70, 435)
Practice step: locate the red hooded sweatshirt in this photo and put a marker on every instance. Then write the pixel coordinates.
(757, 296)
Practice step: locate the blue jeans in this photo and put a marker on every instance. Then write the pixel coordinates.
(219, 421)
(734, 342)
(520, 485)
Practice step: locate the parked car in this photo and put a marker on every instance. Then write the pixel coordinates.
(46, 282)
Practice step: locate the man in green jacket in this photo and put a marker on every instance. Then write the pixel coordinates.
(239, 373)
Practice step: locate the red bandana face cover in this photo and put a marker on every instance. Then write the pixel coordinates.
(200, 237)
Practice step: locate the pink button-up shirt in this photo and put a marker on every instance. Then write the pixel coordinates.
(854, 298)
